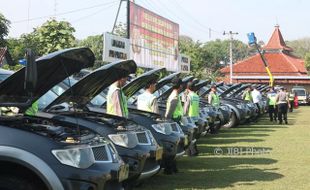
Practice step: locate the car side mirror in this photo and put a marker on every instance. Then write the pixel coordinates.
(31, 71)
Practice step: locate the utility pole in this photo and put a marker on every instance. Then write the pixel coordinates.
(230, 52)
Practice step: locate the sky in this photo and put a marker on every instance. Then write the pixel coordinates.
(195, 17)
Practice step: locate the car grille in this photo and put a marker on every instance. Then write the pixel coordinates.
(174, 127)
(142, 138)
(100, 153)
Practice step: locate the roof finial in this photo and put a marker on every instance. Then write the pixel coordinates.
(277, 23)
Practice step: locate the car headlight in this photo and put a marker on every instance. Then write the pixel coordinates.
(239, 106)
(163, 128)
(77, 156)
(127, 140)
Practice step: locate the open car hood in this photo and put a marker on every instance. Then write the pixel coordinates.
(230, 89)
(166, 94)
(51, 69)
(140, 82)
(239, 90)
(166, 80)
(201, 84)
(94, 83)
(206, 90)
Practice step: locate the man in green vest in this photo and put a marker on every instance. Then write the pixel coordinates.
(191, 105)
(147, 101)
(272, 110)
(247, 96)
(116, 99)
(213, 98)
(174, 108)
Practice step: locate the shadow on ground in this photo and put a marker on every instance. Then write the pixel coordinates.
(215, 172)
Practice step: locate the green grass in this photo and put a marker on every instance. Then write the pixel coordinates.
(269, 156)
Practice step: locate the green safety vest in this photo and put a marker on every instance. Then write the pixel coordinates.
(33, 110)
(248, 97)
(194, 105)
(111, 106)
(178, 112)
(272, 99)
(215, 100)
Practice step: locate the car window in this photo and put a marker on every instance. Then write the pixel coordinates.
(300, 92)
(46, 99)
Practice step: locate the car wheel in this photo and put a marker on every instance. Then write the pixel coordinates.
(11, 182)
(232, 121)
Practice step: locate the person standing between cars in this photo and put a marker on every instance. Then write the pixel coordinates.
(291, 97)
(116, 99)
(213, 97)
(247, 96)
(147, 101)
(174, 109)
(191, 109)
(271, 100)
(283, 104)
(256, 96)
(191, 105)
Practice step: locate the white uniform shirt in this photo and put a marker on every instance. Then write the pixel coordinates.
(256, 95)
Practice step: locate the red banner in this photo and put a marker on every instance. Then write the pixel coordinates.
(154, 39)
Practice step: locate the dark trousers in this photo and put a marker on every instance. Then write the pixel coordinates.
(273, 112)
(282, 112)
(292, 105)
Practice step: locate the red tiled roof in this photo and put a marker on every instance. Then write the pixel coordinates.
(279, 64)
(276, 42)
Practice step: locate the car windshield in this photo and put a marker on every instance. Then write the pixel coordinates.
(46, 99)
(299, 92)
(3, 77)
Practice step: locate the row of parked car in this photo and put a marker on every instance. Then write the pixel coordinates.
(72, 143)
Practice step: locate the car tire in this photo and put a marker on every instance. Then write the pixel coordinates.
(12, 182)
(232, 121)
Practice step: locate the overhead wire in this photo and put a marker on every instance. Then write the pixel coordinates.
(63, 13)
(92, 14)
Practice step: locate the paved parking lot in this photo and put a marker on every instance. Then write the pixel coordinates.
(261, 155)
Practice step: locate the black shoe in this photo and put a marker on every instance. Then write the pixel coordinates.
(286, 122)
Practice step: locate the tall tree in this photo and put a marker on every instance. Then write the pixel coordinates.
(301, 46)
(4, 29)
(54, 35)
(95, 43)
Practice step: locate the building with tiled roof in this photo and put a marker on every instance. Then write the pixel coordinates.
(287, 69)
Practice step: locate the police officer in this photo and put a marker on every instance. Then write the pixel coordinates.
(147, 101)
(283, 103)
(191, 109)
(213, 98)
(247, 94)
(271, 98)
(191, 105)
(116, 99)
(174, 109)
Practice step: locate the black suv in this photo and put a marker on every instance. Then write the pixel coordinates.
(135, 144)
(43, 152)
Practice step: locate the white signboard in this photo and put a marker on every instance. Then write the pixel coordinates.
(184, 64)
(115, 48)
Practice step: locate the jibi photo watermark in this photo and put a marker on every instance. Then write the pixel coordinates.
(241, 151)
